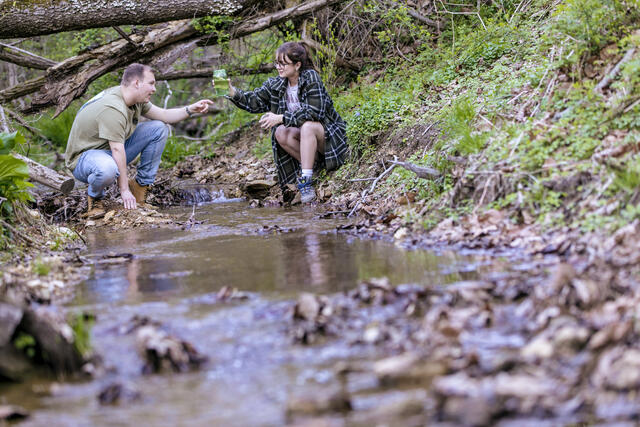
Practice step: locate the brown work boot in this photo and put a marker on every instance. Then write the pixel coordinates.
(95, 209)
(138, 191)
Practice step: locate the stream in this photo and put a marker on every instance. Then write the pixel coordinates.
(254, 366)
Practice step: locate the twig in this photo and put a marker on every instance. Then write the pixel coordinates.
(486, 120)
(630, 107)
(484, 192)
(373, 186)
(206, 137)
(429, 127)
(361, 179)
(125, 35)
(420, 171)
(609, 77)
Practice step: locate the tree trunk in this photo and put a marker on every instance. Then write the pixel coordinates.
(46, 176)
(29, 18)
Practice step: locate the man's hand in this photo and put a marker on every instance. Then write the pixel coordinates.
(270, 120)
(128, 200)
(201, 106)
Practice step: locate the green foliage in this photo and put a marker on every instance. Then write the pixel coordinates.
(262, 147)
(91, 38)
(593, 23)
(216, 26)
(627, 178)
(81, 325)
(26, 344)
(371, 109)
(57, 130)
(14, 174)
(458, 124)
(176, 150)
(40, 268)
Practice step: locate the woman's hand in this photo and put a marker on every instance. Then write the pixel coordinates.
(270, 120)
(232, 90)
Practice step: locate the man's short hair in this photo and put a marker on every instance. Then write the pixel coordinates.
(134, 71)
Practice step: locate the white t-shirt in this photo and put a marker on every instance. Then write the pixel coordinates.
(293, 103)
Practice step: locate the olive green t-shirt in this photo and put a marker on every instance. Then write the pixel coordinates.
(103, 118)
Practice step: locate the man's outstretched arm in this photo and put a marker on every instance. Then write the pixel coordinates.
(174, 115)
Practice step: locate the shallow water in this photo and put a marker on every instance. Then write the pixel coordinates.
(254, 366)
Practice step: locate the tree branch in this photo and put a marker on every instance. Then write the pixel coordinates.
(23, 58)
(70, 78)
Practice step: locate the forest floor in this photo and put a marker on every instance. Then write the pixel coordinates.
(549, 335)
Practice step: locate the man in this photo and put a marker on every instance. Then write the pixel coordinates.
(106, 136)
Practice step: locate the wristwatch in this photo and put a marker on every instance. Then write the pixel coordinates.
(189, 113)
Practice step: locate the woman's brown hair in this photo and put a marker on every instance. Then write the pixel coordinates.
(296, 52)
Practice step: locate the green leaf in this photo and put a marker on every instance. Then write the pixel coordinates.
(9, 140)
(12, 168)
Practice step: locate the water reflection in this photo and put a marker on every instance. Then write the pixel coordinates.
(229, 250)
(253, 361)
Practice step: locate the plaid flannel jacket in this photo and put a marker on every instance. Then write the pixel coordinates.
(315, 105)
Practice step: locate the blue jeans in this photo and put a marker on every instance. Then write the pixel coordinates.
(99, 170)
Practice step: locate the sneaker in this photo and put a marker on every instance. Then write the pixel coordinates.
(307, 192)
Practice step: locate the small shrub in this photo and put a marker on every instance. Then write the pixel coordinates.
(176, 150)
(14, 174)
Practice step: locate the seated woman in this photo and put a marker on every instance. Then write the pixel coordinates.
(306, 129)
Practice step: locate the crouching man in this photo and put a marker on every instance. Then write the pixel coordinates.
(106, 136)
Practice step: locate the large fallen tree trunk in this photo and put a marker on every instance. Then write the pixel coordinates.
(69, 79)
(28, 18)
(43, 175)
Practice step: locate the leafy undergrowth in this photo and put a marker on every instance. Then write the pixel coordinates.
(514, 116)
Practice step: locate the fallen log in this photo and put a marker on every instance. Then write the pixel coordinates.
(45, 176)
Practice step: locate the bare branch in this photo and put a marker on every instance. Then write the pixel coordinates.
(23, 58)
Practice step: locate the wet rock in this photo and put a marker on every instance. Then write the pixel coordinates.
(312, 308)
(564, 334)
(258, 189)
(116, 393)
(318, 402)
(612, 333)
(161, 351)
(12, 413)
(10, 317)
(227, 293)
(54, 338)
(408, 368)
(618, 369)
(468, 411)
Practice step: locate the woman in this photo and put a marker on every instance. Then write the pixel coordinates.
(306, 129)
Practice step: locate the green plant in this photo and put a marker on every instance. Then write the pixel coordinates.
(25, 343)
(14, 174)
(40, 268)
(57, 130)
(176, 150)
(262, 147)
(457, 123)
(81, 324)
(593, 23)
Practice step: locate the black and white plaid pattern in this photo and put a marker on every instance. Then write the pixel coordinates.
(315, 105)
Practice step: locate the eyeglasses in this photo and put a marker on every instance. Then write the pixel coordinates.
(279, 64)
